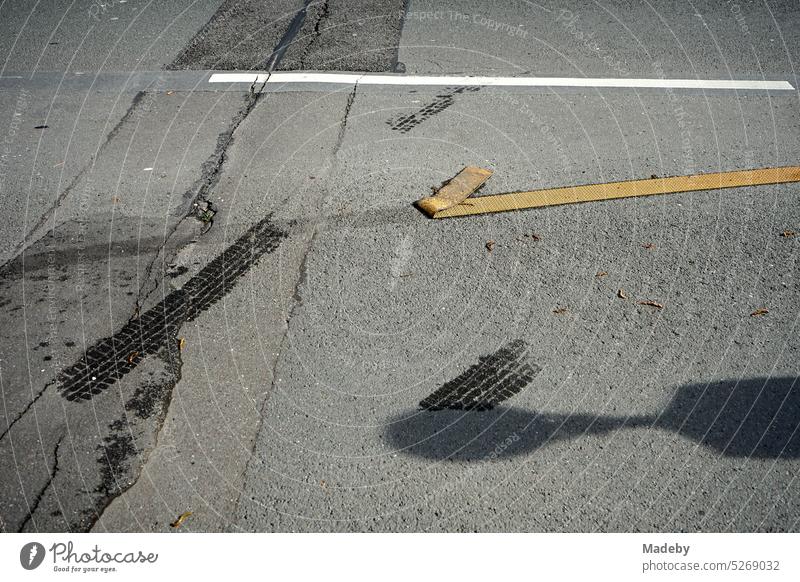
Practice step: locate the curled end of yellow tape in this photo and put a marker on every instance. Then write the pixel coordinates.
(431, 205)
(454, 191)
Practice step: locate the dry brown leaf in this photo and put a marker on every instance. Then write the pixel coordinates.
(182, 343)
(788, 233)
(181, 518)
(652, 304)
(759, 312)
(560, 310)
(601, 273)
(621, 294)
(489, 245)
(132, 357)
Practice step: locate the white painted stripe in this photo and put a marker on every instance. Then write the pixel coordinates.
(577, 82)
(343, 78)
(367, 79)
(238, 78)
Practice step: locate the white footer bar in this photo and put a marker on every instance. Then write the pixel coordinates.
(402, 557)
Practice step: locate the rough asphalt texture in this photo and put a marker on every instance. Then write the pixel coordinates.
(272, 373)
(335, 35)
(343, 444)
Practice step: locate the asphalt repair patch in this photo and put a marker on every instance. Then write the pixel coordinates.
(287, 35)
(113, 357)
(494, 379)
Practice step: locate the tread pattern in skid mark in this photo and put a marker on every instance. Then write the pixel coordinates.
(495, 378)
(113, 357)
(406, 123)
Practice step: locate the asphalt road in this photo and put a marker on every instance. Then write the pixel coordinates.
(218, 298)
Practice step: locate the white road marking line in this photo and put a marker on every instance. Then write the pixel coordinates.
(238, 78)
(344, 78)
(367, 79)
(577, 82)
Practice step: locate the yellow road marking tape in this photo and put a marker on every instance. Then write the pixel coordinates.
(455, 191)
(613, 190)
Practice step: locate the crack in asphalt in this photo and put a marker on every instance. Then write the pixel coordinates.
(111, 358)
(120, 446)
(156, 333)
(324, 15)
(202, 290)
(26, 409)
(198, 192)
(297, 299)
(345, 117)
(211, 169)
(44, 489)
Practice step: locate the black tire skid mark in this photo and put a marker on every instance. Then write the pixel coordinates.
(406, 123)
(494, 379)
(111, 358)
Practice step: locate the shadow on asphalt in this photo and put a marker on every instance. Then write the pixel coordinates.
(757, 418)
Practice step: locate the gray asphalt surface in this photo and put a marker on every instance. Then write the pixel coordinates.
(67, 42)
(274, 372)
(617, 38)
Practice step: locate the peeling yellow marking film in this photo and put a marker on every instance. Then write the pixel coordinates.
(612, 190)
(455, 191)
